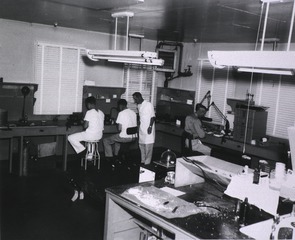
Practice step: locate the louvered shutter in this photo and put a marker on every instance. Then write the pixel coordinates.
(138, 78)
(221, 86)
(286, 107)
(268, 92)
(59, 74)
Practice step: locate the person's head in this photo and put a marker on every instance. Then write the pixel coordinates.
(137, 97)
(122, 104)
(200, 110)
(90, 102)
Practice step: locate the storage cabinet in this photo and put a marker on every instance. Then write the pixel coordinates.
(12, 99)
(106, 98)
(174, 104)
(256, 128)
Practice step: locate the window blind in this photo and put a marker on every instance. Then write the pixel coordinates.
(286, 106)
(277, 93)
(221, 86)
(59, 74)
(138, 78)
(267, 93)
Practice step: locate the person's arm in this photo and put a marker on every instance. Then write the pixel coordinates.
(198, 129)
(85, 124)
(194, 127)
(119, 121)
(119, 127)
(152, 121)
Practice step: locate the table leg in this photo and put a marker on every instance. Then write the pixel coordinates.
(65, 152)
(10, 154)
(21, 151)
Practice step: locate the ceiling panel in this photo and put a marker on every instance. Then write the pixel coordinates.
(172, 20)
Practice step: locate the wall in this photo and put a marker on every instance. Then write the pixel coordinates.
(18, 39)
(17, 48)
(194, 52)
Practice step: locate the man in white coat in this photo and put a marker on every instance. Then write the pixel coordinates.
(146, 127)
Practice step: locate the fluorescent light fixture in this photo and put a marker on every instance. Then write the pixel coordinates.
(283, 61)
(134, 35)
(122, 53)
(125, 56)
(122, 14)
(152, 62)
(267, 71)
(276, 1)
(268, 62)
(136, 57)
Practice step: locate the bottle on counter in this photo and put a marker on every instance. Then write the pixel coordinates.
(256, 176)
(244, 211)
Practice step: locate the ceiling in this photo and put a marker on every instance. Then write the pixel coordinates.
(169, 20)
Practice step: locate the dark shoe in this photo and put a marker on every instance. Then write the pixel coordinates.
(109, 159)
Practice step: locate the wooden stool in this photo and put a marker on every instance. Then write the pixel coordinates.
(92, 150)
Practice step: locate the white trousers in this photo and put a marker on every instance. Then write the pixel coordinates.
(146, 151)
(198, 146)
(76, 139)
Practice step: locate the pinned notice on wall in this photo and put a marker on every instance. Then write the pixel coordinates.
(189, 102)
(114, 95)
(108, 100)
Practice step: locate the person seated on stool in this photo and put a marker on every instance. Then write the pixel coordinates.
(93, 127)
(126, 119)
(193, 125)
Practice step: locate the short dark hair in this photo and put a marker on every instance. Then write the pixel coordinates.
(90, 100)
(199, 106)
(122, 102)
(137, 95)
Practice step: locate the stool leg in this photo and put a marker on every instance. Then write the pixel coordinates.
(94, 154)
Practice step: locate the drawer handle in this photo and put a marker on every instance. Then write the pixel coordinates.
(41, 130)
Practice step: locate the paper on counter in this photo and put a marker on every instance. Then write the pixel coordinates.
(162, 203)
(291, 135)
(172, 191)
(259, 195)
(260, 230)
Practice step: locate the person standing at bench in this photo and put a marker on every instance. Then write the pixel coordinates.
(93, 127)
(146, 127)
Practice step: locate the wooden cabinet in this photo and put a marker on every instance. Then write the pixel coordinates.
(12, 99)
(256, 124)
(174, 104)
(106, 98)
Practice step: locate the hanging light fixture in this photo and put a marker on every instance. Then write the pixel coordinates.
(267, 62)
(125, 56)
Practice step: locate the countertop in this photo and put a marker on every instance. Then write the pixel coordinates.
(221, 224)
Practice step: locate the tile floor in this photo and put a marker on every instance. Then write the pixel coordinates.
(39, 206)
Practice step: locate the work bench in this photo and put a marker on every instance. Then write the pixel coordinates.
(169, 135)
(55, 129)
(128, 219)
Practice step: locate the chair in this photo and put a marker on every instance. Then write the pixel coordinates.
(125, 146)
(92, 150)
(188, 150)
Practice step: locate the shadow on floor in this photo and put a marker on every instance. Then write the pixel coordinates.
(39, 205)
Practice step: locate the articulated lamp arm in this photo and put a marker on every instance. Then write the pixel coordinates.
(227, 131)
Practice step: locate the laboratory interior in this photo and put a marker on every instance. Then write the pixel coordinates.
(147, 119)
